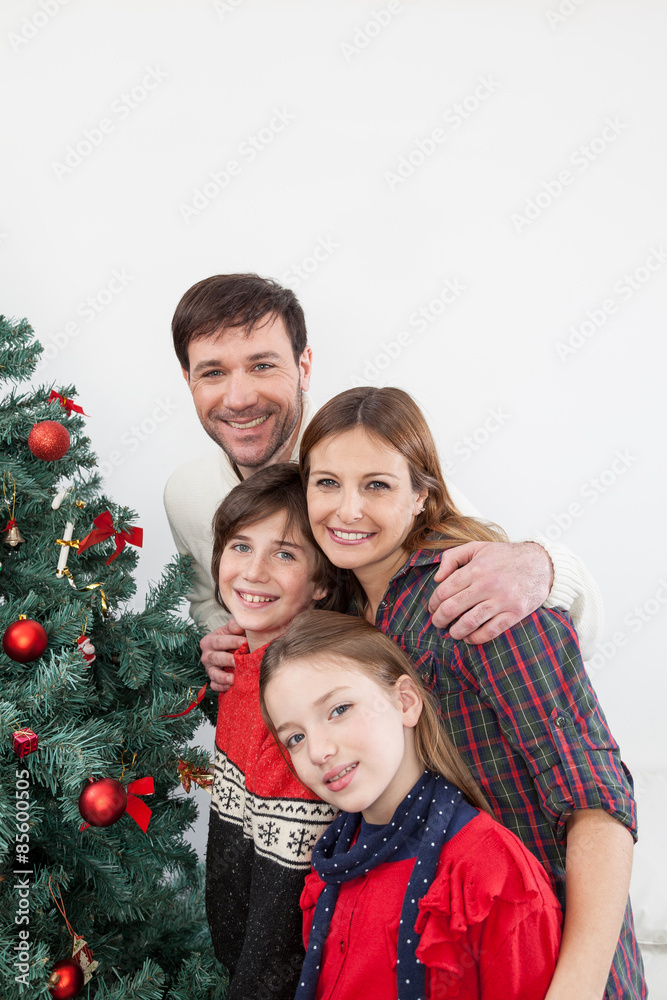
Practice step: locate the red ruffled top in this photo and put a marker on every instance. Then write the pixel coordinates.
(489, 925)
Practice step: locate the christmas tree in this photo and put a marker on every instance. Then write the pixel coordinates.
(87, 685)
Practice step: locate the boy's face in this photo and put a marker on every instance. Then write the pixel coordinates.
(266, 578)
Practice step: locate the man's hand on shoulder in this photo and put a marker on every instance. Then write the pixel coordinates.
(218, 654)
(489, 586)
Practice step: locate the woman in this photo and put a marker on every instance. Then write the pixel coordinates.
(520, 709)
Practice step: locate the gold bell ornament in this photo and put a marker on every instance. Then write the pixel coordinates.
(13, 535)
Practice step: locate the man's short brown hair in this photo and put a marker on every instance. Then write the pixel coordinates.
(235, 300)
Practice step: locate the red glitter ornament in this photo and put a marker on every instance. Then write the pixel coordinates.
(66, 979)
(48, 440)
(24, 640)
(102, 802)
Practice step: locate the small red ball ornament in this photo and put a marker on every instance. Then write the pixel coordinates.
(48, 440)
(102, 802)
(24, 640)
(66, 979)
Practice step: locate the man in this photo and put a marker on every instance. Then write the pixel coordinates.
(242, 345)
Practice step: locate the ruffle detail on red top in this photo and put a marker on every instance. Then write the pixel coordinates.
(467, 886)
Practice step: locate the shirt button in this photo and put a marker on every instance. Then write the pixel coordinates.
(561, 721)
(342, 946)
(382, 604)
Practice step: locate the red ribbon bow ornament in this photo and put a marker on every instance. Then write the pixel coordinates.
(66, 403)
(104, 528)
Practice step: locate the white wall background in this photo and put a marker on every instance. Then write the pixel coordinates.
(558, 321)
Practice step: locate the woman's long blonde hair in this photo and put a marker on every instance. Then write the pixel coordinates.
(392, 416)
(356, 642)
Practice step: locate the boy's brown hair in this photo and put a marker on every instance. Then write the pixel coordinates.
(273, 490)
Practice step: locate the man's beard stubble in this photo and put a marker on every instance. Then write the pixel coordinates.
(281, 434)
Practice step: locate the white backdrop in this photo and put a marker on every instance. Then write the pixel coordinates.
(468, 198)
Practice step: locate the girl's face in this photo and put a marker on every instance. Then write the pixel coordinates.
(350, 740)
(266, 578)
(361, 503)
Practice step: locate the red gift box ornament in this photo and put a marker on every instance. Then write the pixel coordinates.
(104, 528)
(24, 741)
(66, 403)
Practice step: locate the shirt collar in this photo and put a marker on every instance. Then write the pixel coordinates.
(421, 557)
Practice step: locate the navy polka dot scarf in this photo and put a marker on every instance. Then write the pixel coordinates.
(424, 814)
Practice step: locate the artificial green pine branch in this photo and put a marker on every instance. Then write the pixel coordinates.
(137, 898)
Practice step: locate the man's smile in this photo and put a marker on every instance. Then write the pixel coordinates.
(248, 423)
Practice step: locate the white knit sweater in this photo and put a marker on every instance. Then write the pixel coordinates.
(195, 489)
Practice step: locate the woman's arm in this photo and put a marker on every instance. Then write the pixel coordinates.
(597, 879)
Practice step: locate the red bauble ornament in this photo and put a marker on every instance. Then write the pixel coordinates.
(48, 440)
(24, 640)
(102, 802)
(66, 979)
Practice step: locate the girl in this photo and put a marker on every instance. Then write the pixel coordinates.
(263, 822)
(416, 891)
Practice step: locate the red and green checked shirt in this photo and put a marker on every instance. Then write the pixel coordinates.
(524, 715)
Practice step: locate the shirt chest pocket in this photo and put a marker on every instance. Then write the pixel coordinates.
(423, 657)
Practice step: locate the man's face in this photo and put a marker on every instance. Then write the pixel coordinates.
(247, 391)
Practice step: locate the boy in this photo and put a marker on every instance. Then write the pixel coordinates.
(263, 821)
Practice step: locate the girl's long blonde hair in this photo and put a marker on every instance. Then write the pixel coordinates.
(355, 641)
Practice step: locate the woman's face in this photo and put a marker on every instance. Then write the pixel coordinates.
(361, 503)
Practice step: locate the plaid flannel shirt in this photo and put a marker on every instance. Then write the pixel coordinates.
(523, 713)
